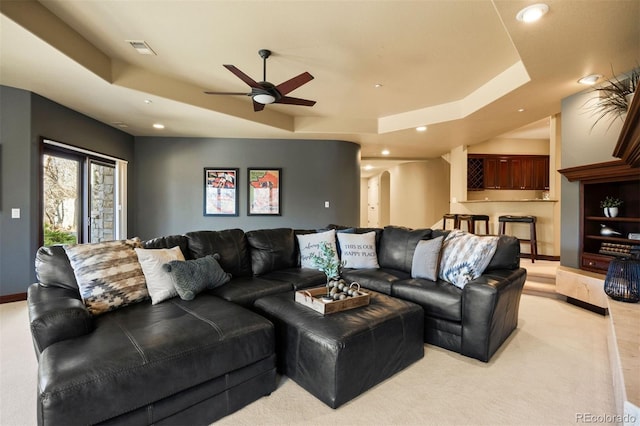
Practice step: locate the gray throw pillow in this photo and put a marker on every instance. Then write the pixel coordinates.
(426, 259)
(191, 277)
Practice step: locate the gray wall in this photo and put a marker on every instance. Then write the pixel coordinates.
(169, 177)
(16, 177)
(581, 145)
(25, 118)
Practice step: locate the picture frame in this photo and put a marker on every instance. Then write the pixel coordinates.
(264, 196)
(221, 191)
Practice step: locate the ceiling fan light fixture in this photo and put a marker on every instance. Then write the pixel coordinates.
(264, 98)
(532, 13)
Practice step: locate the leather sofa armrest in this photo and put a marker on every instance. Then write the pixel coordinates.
(56, 314)
(490, 306)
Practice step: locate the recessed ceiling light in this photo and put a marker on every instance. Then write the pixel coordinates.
(520, 109)
(368, 167)
(590, 79)
(532, 13)
(385, 152)
(421, 128)
(158, 126)
(377, 85)
(148, 101)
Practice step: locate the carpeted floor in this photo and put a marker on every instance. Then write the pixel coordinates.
(551, 370)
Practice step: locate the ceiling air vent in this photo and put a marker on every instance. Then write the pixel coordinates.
(142, 47)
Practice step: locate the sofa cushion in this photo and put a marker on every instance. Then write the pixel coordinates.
(397, 245)
(507, 255)
(299, 278)
(426, 259)
(191, 277)
(108, 274)
(272, 249)
(159, 282)
(439, 299)
(147, 353)
(168, 242)
(358, 250)
(53, 268)
(465, 256)
(246, 290)
(379, 280)
(230, 244)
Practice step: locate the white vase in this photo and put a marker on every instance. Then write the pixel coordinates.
(611, 211)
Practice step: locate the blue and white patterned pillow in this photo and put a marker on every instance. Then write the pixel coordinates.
(465, 257)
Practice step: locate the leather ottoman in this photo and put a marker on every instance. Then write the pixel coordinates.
(337, 357)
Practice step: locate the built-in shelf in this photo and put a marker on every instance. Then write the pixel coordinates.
(597, 181)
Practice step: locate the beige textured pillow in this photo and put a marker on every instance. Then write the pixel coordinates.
(159, 282)
(108, 274)
(358, 250)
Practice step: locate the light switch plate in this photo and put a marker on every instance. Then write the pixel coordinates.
(15, 213)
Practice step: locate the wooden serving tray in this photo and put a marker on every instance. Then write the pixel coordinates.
(312, 298)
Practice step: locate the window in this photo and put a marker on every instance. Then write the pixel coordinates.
(82, 196)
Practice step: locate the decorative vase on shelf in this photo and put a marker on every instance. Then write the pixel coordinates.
(611, 211)
(605, 231)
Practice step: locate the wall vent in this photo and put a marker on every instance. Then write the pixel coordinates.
(142, 47)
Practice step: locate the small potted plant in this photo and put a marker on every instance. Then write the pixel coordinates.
(327, 261)
(610, 206)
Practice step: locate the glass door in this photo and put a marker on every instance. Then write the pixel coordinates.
(62, 198)
(79, 197)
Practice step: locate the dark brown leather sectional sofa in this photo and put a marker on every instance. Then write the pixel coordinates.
(192, 362)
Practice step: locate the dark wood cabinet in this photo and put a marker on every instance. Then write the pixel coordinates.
(541, 173)
(597, 181)
(509, 171)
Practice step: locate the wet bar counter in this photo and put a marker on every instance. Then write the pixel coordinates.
(547, 213)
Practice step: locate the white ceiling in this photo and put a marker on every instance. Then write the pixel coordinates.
(463, 67)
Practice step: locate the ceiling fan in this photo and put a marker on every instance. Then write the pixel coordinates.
(263, 92)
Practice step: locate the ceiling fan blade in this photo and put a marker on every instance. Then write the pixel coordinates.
(257, 106)
(228, 93)
(294, 83)
(295, 101)
(242, 76)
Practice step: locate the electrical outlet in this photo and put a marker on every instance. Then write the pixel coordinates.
(15, 213)
(326, 204)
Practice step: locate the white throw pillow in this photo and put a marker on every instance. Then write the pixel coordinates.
(159, 282)
(465, 257)
(358, 250)
(310, 246)
(426, 259)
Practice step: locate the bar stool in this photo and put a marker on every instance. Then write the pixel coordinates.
(451, 216)
(531, 220)
(471, 219)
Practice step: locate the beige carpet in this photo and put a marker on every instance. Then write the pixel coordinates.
(554, 367)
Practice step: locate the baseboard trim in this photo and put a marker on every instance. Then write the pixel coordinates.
(540, 257)
(587, 306)
(13, 298)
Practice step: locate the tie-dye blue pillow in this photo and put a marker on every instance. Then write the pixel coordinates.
(465, 257)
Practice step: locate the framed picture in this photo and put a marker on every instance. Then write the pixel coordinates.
(220, 191)
(265, 193)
